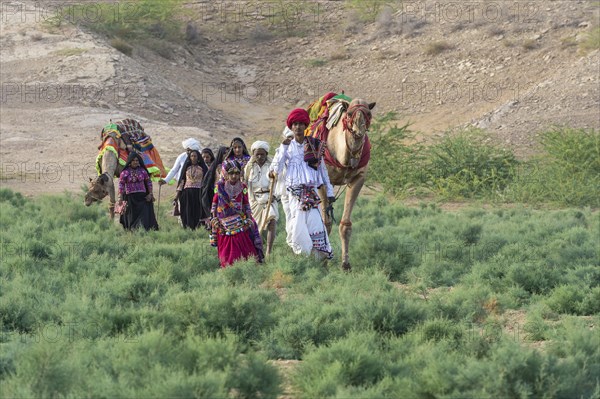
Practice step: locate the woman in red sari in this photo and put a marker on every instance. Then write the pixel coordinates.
(234, 231)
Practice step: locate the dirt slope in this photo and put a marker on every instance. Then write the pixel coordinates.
(512, 68)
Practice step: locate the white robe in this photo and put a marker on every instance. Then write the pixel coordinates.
(175, 171)
(258, 181)
(281, 192)
(307, 233)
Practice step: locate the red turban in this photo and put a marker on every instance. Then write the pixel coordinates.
(298, 115)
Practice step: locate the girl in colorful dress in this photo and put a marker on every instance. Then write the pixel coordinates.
(135, 187)
(238, 152)
(189, 191)
(234, 231)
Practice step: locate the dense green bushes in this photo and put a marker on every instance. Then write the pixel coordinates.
(446, 364)
(87, 309)
(465, 165)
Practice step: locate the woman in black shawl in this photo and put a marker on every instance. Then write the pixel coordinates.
(135, 187)
(208, 157)
(210, 179)
(189, 191)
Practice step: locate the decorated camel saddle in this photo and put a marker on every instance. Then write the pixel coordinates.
(326, 113)
(128, 135)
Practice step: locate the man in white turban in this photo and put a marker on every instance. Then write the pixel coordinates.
(259, 185)
(188, 145)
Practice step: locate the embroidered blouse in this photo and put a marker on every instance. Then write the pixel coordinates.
(134, 181)
(231, 207)
(193, 177)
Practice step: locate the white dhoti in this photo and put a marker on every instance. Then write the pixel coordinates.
(307, 231)
(285, 203)
(261, 214)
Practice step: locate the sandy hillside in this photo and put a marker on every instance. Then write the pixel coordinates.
(511, 70)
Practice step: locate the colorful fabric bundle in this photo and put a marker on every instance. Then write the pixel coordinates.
(140, 141)
(313, 151)
(322, 111)
(110, 144)
(316, 108)
(307, 196)
(131, 127)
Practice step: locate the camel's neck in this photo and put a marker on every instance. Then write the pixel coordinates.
(343, 146)
(109, 163)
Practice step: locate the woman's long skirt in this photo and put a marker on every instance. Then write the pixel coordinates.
(139, 213)
(191, 208)
(235, 247)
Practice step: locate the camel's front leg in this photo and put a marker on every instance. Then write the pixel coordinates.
(346, 224)
(111, 198)
(324, 204)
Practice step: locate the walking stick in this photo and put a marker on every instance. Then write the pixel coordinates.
(269, 202)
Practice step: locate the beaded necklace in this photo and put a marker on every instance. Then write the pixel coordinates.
(233, 190)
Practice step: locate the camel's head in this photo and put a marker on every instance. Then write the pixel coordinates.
(359, 117)
(97, 190)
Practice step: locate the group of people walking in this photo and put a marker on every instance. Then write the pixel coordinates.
(235, 193)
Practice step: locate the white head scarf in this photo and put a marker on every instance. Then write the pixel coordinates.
(191, 143)
(287, 132)
(259, 144)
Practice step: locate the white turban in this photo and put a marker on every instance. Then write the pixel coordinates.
(287, 133)
(259, 144)
(191, 143)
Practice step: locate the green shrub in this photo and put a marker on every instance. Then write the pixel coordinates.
(144, 18)
(591, 41)
(389, 143)
(567, 173)
(440, 329)
(336, 305)
(352, 361)
(464, 166)
(154, 363)
(566, 299)
(536, 328)
(316, 62)
(438, 47)
(87, 309)
(122, 46)
(367, 10)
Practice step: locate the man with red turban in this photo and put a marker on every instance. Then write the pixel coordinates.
(304, 175)
(298, 115)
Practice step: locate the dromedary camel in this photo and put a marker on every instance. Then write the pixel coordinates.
(347, 158)
(103, 185)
